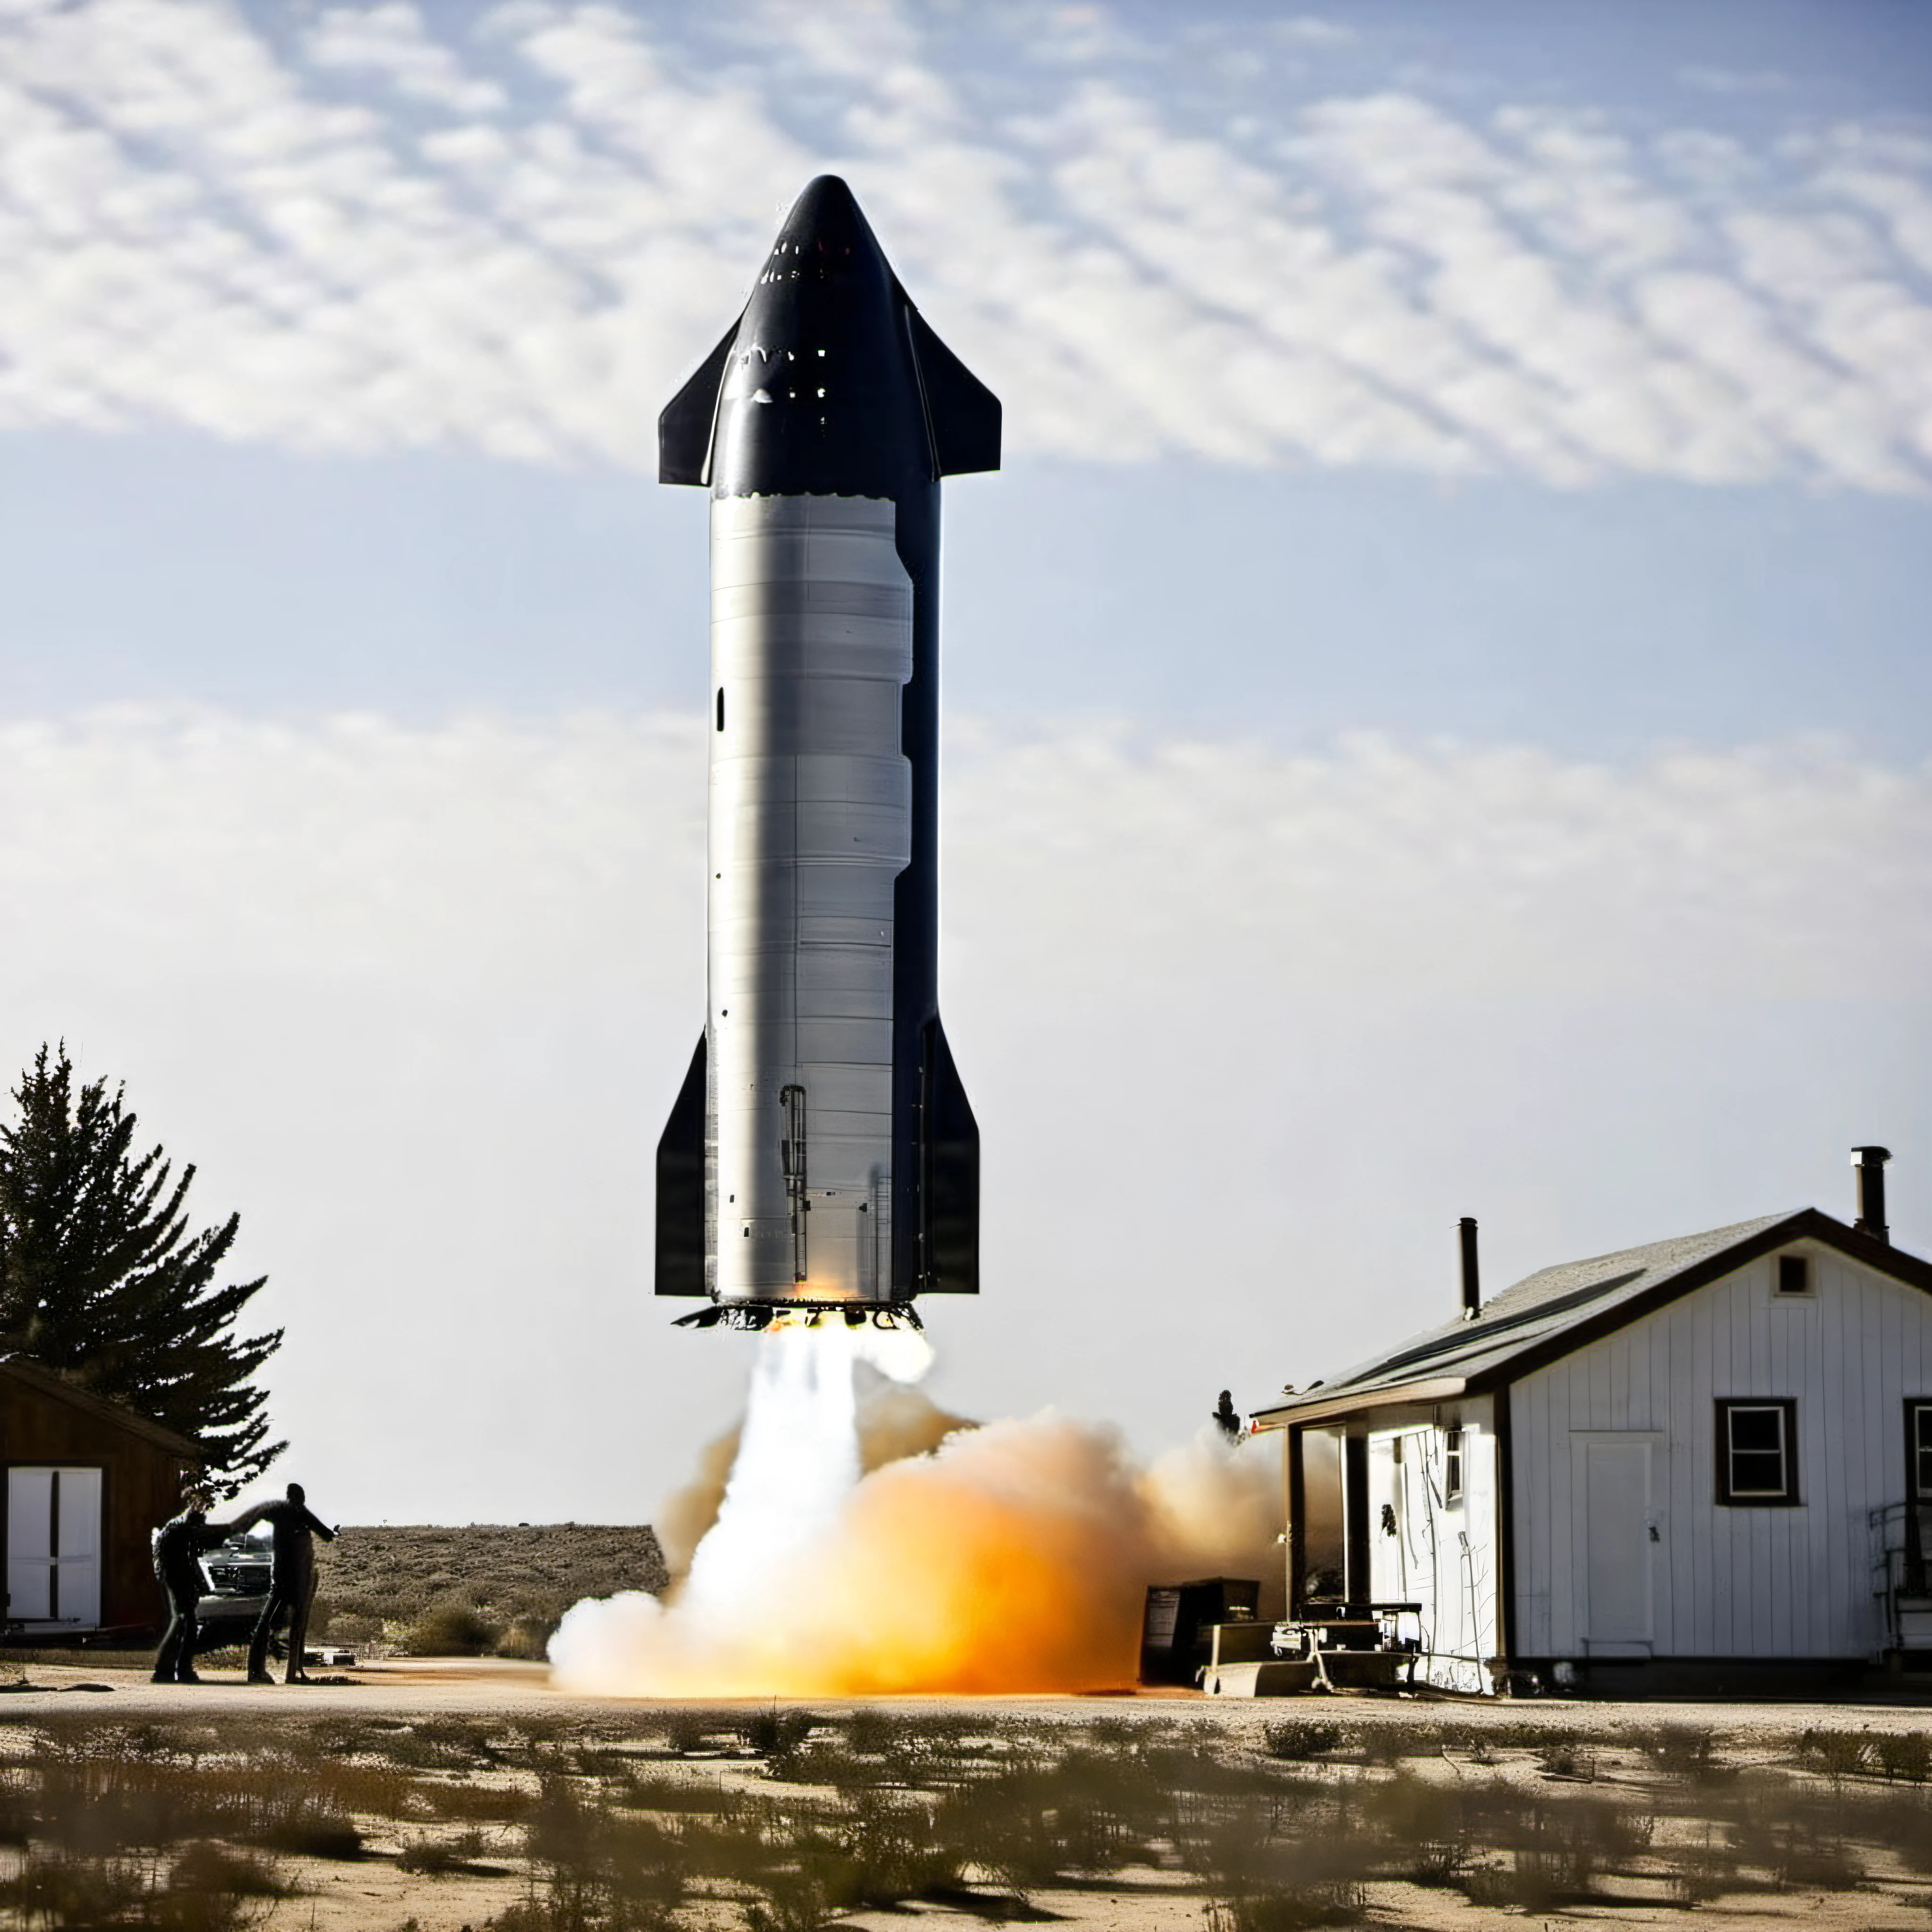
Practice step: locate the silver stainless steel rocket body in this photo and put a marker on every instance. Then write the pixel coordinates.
(822, 1153)
(811, 826)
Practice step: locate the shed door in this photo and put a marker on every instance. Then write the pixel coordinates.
(53, 1545)
(1616, 1482)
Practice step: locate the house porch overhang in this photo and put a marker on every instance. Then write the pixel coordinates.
(1346, 1402)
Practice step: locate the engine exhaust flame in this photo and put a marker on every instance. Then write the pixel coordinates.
(798, 1453)
(895, 1419)
(1009, 1557)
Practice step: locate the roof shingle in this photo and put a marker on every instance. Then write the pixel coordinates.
(1530, 1311)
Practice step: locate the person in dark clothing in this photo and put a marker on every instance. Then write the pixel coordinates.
(291, 1578)
(178, 1543)
(1225, 1415)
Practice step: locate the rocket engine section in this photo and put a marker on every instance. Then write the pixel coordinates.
(822, 1154)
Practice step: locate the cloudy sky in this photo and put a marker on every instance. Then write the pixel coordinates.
(1439, 719)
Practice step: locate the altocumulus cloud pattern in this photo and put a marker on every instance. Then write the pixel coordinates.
(511, 229)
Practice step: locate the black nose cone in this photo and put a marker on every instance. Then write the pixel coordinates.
(827, 260)
(825, 221)
(821, 393)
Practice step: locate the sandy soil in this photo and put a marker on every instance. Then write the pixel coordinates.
(373, 1896)
(484, 1686)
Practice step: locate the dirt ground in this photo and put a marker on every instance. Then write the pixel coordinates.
(374, 1895)
(482, 1687)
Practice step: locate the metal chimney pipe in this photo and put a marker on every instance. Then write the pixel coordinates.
(1870, 1161)
(1472, 1280)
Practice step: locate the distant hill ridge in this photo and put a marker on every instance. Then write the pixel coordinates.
(393, 1570)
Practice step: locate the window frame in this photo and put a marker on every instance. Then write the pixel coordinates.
(1729, 1494)
(1917, 1491)
(1795, 1269)
(1455, 1474)
(1918, 1449)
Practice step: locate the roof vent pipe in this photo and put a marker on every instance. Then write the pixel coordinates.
(1870, 1161)
(1472, 1281)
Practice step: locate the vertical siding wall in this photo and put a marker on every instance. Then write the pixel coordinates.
(1443, 1554)
(1729, 1581)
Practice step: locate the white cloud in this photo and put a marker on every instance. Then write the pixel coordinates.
(1310, 30)
(1405, 871)
(530, 223)
(1733, 80)
(1902, 201)
(391, 41)
(485, 852)
(491, 848)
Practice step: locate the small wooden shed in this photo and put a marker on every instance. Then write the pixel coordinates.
(1711, 1452)
(86, 1482)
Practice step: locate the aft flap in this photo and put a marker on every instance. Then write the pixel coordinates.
(684, 428)
(962, 415)
(951, 1175)
(680, 1231)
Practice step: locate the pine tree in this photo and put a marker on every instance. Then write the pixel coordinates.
(100, 1279)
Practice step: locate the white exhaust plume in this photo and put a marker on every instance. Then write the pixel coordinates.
(798, 1454)
(894, 1421)
(1009, 1557)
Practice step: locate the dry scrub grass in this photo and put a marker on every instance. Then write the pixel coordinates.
(488, 1588)
(783, 1820)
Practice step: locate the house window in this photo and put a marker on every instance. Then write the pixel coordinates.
(1794, 1274)
(1757, 1452)
(1918, 1495)
(1452, 1463)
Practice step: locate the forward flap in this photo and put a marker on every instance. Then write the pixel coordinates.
(685, 427)
(962, 415)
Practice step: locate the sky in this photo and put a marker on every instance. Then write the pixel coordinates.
(1437, 712)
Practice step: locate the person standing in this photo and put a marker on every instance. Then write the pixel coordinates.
(291, 1578)
(178, 1544)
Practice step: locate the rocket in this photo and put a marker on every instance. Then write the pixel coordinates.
(821, 1160)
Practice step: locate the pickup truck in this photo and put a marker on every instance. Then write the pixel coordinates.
(237, 1574)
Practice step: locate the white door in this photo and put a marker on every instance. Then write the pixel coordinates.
(1617, 1540)
(30, 1545)
(53, 1545)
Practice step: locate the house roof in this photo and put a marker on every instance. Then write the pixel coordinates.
(1557, 1309)
(47, 1381)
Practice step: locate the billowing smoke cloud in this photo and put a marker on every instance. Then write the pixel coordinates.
(1010, 1557)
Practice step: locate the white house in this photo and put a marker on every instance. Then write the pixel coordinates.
(1705, 1452)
